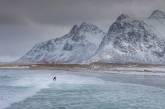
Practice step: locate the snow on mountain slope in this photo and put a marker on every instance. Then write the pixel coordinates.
(78, 45)
(157, 14)
(131, 40)
(157, 22)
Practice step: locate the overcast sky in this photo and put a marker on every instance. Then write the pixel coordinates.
(26, 22)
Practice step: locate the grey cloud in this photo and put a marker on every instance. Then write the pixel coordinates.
(63, 12)
(26, 22)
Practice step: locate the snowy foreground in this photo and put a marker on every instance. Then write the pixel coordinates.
(35, 89)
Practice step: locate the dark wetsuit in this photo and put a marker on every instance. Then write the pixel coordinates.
(54, 78)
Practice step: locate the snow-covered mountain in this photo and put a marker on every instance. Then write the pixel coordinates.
(131, 40)
(156, 21)
(157, 14)
(78, 45)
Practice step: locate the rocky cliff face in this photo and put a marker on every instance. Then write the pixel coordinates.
(129, 40)
(157, 14)
(78, 45)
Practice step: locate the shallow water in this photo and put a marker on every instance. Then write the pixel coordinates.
(35, 89)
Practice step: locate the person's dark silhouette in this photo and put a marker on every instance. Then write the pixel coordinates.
(54, 78)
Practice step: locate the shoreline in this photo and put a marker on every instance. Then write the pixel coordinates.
(92, 71)
(135, 69)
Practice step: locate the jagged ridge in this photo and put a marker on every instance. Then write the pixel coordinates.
(131, 40)
(157, 14)
(128, 40)
(78, 45)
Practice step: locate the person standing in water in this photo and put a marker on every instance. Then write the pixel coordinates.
(54, 79)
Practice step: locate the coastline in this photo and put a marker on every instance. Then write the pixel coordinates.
(135, 69)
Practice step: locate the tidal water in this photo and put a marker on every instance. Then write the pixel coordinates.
(35, 89)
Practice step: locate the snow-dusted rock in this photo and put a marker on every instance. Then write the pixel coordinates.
(157, 14)
(78, 45)
(130, 40)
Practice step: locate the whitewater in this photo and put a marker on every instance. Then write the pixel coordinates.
(35, 89)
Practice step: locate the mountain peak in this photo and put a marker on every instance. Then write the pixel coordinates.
(85, 24)
(74, 29)
(122, 17)
(157, 14)
(88, 26)
(84, 27)
(75, 47)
